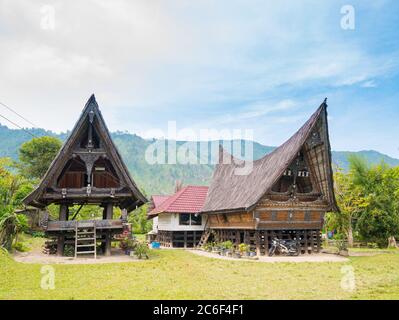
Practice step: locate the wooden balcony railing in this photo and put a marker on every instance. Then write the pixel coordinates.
(70, 225)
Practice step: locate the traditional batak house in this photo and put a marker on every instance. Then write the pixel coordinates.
(176, 219)
(286, 195)
(87, 170)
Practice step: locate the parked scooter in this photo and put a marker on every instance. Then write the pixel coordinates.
(284, 247)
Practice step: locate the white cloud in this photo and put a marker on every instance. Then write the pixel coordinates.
(369, 84)
(256, 110)
(203, 63)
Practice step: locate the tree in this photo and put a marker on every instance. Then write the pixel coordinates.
(37, 154)
(139, 221)
(379, 185)
(11, 224)
(350, 202)
(13, 188)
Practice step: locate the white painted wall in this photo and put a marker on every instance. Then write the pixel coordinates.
(155, 224)
(170, 222)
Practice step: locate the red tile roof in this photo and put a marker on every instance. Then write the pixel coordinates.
(157, 200)
(190, 199)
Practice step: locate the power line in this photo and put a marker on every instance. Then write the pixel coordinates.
(22, 117)
(19, 126)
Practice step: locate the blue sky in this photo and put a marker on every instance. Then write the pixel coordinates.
(261, 65)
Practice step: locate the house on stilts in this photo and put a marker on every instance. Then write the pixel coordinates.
(176, 219)
(285, 195)
(88, 170)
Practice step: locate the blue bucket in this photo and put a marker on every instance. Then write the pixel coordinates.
(155, 245)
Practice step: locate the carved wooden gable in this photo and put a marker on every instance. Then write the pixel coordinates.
(88, 164)
(308, 177)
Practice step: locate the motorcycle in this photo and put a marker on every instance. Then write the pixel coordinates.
(284, 247)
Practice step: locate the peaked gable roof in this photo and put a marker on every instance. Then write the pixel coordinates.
(232, 192)
(157, 200)
(91, 109)
(189, 199)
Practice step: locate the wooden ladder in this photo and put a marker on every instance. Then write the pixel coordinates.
(204, 238)
(85, 237)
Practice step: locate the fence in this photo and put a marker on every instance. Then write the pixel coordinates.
(356, 244)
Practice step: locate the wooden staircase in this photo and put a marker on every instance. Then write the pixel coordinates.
(205, 235)
(85, 238)
(204, 238)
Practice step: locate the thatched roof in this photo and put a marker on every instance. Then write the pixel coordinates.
(232, 192)
(35, 198)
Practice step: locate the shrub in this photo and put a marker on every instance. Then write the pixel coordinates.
(21, 247)
(243, 248)
(38, 234)
(127, 244)
(208, 246)
(69, 251)
(141, 250)
(341, 245)
(226, 245)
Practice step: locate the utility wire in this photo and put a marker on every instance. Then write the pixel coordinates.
(22, 117)
(33, 135)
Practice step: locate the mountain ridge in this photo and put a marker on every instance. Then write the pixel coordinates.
(160, 178)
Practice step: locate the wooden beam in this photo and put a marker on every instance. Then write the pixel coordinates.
(109, 211)
(77, 212)
(63, 216)
(60, 245)
(63, 213)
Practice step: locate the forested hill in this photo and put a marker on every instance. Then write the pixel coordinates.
(161, 178)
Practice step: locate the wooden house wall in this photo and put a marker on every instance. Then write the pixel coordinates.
(241, 220)
(272, 215)
(104, 180)
(268, 220)
(72, 180)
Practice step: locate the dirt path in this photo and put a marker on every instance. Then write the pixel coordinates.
(118, 257)
(320, 257)
(41, 258)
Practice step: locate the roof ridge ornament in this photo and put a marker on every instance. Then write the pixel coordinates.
(91, 116)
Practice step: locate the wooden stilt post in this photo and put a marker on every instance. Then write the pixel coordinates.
(109, 211)
(63, 215)
(267, 233)
(257, 242)
(60, 245)
(246, 237)
(318, 241)
(311, 241)
(185, 239)
(306, 240)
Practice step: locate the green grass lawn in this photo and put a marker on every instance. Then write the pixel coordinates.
(178, 274)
